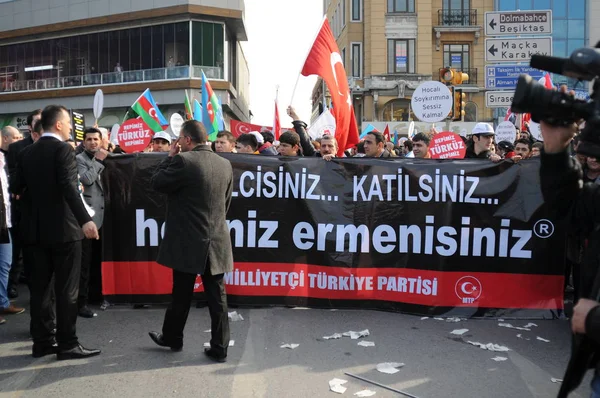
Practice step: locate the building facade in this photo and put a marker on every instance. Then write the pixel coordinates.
(62, 51)
(391, 46)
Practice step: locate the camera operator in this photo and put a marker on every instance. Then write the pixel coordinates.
(564, 193)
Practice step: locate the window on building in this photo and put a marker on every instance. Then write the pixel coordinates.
(343, 13)
(357, 10)
(401, 6)
(457, 56)
(397, 110)
(344, 56)
(462, 5)
(470, 112)
(357, 60)
(401, 56)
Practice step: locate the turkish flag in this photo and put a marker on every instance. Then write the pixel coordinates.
(325, 60)
(276, 123)
(386, 133)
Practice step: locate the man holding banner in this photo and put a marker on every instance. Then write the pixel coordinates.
(198, 184)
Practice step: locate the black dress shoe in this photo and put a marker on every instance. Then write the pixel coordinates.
(76, 352)
(212, 354)
(85, 312)
(41, 350)
(12, 293)
(159, 339)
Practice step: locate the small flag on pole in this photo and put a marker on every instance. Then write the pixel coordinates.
(189, 114)
(212, 115)
(146, 108)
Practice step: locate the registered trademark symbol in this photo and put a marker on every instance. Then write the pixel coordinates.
(543, 229)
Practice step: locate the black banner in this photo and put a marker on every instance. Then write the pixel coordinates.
(464, 237)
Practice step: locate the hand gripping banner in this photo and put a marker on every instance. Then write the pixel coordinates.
(463, 238)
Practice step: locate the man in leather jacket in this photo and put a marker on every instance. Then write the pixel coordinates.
(566, 195)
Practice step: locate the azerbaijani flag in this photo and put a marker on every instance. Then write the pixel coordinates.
(212, 115)
(147, 109)
(189, 115)
(197, 111)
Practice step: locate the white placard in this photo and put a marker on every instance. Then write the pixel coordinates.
(535, 130)
(506, 131)
(98, 104)
(431, 102)
(175, 123)
(411, 130)
(114, 134)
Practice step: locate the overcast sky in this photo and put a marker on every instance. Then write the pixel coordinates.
(280, 34)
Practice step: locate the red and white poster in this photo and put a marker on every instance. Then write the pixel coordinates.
(447, 145)
(134, 135)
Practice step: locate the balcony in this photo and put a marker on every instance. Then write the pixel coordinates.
(7, 85)
(471, 72)
(457, 17)
(457, 21)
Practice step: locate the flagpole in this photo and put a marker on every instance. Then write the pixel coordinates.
(312, 43)
(277, 109)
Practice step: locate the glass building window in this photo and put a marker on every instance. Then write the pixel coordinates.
(401, 56)
(457, 56)
(356, 10)
(401, 6)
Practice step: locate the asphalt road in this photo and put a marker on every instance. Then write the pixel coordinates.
(437, 364)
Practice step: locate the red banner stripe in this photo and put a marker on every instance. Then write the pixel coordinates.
(412, 286)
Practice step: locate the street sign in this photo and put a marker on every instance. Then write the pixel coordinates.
(516, 23)
(516, 50)
(498, 99)
(505, 76)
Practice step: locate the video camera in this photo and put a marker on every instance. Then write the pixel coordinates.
(561, 109)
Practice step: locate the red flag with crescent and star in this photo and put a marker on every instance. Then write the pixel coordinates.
(325, 60)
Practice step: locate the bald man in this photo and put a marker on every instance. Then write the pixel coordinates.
(9, 135)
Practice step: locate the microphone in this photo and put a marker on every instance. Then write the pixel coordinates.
(548, 64)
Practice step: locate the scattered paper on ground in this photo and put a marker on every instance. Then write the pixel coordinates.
(453, 319)
(500, 320)
(335, 385)
(544, 340)
(333, 336)
(425, 317)
(235, 317)
(490, 346)
(389, 367)
(499, 359)
(508, 325)
(290, 346)
(231, 343)
(356, 335)
(530, 325)
(521, 337)
(555, 380)
(366, 344)
(459, 332)
(301, 308)
(365, 393)
(207, 331)
(206, 345)
(439, 319)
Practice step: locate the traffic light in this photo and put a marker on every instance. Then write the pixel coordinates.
(458, 111)
(452, 76)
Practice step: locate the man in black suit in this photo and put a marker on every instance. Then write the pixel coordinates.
(54, 223)
(17, 268)
(198, 184)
